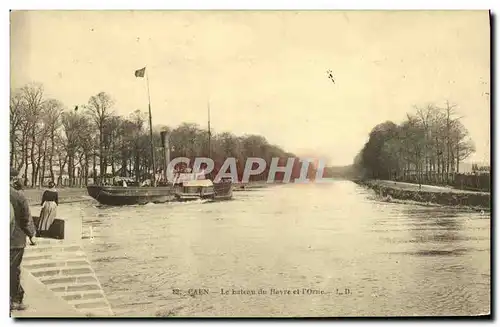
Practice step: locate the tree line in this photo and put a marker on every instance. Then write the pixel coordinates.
(48, 139)
(427, 147)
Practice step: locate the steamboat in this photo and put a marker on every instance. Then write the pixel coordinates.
(185, 191)
(186, 186)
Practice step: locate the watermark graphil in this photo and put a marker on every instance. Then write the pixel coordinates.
(253, 166)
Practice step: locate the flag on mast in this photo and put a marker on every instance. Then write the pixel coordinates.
(140, 72)
(209, 131)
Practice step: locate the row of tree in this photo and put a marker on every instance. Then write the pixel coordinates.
(427, 147)
(92, 141)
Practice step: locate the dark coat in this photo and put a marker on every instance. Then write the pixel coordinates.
(50, 195)
(24, 225)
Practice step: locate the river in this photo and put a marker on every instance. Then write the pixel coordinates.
(328, 249)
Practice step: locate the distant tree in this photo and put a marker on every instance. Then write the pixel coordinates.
(75, 127)
(431, 142)
(34, 104)
(100, 109)
(43, 135)
(17, 128)
(51, 121)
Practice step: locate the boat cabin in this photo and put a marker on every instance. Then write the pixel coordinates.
(194, 189)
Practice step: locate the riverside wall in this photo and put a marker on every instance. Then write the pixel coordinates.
(427, 194)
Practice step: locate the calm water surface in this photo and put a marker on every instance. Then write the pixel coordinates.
(369, 258)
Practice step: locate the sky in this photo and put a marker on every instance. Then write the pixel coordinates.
(264, 72)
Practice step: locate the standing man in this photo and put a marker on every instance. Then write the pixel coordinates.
(21, 225)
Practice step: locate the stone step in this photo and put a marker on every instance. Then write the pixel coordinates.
(53, 248)
(44, 304)
(58, 256)
(96, 312)
(63, 268)
(78, 297)
(61, 272)
(35, 256)
(68, 289)
(48, 241)
(90, 304)
(36, 265)
(94, 301)
(68, 280)
(81, 291)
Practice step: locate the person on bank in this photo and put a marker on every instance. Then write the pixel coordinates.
(18, 185)
(50, 201)
(21, 226)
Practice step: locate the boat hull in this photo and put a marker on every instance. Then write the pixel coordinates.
(121, 196)
(183, 197)
(223, 191)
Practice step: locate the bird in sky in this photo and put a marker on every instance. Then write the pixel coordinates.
(330, 75)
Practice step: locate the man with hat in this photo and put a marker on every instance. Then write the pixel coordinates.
(21, 225)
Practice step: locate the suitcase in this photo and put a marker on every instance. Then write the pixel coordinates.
(56, 230)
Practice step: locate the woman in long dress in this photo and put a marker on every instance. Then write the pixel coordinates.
(50, 201)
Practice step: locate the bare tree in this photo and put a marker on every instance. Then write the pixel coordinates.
(43, 136)
(463, 146)
(53, 111)
(99, 108)
(430, 143)
(33, 97)
(17, 108)
(75, 127)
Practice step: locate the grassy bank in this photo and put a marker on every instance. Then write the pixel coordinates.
(429, 194)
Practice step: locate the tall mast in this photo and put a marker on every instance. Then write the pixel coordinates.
(151, 134)
(209, 134)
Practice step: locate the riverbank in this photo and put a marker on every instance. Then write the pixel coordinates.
(79, 194)
(429, 194)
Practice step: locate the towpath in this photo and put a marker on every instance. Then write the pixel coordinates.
(425, 188)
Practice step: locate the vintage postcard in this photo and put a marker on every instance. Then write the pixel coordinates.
(250, 164)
